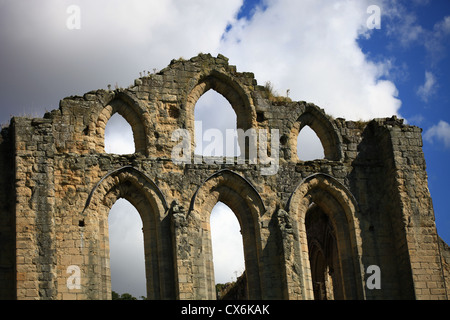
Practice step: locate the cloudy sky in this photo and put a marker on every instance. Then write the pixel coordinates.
(334, 53)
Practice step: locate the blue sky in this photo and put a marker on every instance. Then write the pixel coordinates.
(416, 50)
(316, 49)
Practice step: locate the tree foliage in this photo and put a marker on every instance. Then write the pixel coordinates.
(123, 296)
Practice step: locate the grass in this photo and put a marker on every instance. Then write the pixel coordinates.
(274, 96)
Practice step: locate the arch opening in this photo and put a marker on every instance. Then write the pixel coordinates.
(236, 96)
(227, 251)
(325, 212)
(319, 125)
(119, 137)
(309, 146)
(215, 126)
(239, 195)
(121, 112)
(126, 246)
(323, 255)
(141, 192)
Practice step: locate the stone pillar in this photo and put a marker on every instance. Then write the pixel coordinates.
(183, 264)
(35, 199)
(297, 277)
(417, 215)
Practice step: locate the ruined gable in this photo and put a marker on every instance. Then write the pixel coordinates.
(310, 229)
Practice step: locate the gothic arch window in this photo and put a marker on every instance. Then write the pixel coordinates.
(325, 214)
(119, 136)
(126, 246)
(143, 194)
(227, 246)
(309, 146)
(235, 192)
(322, 247)
(126, 108)
(313, 120)
(215, 126)
(230, 90)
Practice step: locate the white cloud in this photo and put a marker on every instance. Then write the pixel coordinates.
(442, 28)
(119, 136)
(405, 29)
(310, 47)
(309, 146)
(226, 237)
(126, 243)
(441, 132)
(404, 25)
(415, 119)
(421, 2)
(117, 40)
(427, 89)
(224, 117)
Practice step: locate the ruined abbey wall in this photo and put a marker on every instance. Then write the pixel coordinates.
(310, 229)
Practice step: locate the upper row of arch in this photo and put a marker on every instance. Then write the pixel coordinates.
(240, 98)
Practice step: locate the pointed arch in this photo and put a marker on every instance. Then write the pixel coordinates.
(338, 204)
(239, 99)
(228, 249)
(309, 146)
(234, 181)
(132, 185)
(333, 185)
(325, 129)
(119, 137)
(215, 127)
(126, 248)
(243, 199)
(132, 111)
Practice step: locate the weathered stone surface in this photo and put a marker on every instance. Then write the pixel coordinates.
(310, 230)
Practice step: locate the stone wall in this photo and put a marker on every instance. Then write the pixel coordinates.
(59, 185)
